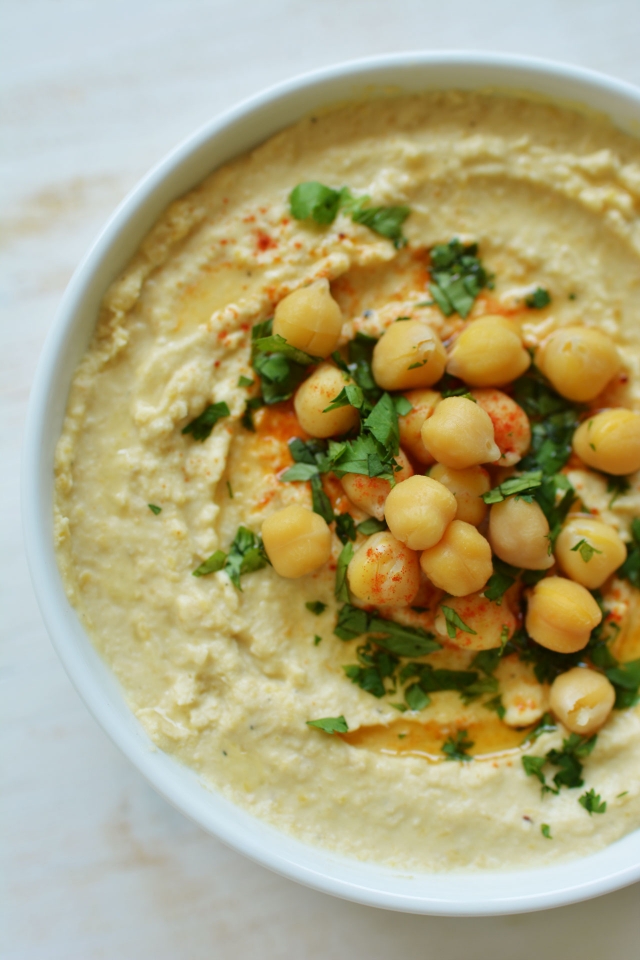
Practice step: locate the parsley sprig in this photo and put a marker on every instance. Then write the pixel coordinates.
(457, 276)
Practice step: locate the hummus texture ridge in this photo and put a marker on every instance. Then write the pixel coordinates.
(225, 679)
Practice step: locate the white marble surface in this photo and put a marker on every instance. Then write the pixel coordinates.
(95, 865)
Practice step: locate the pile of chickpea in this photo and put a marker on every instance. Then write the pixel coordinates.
(435, 519)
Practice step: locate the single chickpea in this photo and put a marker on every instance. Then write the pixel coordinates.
(384, 571)
(369, 494)
(561, 615)
(610, 441)
(297, 541)
(423, 403)
(310, 319)
(579, 362)
(460, 434)
(519, 534)
(589, 551)
(408, 354)
(467, 486)
(491, 623)
(511, 427)
(582, 700)
(460, 563)
(488, 353)
(315, 395)
(524, 698)
(418, 511)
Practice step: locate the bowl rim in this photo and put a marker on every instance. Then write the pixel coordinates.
(468, 894)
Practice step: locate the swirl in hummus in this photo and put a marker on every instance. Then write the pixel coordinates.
(412, 633)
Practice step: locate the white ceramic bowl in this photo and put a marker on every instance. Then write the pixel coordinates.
(223, 138)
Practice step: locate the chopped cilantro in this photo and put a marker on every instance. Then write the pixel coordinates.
(254, 403)
(545, 724)
(371, 526)
(416, 698)
(496, 704)
(316, 607)
(402, 405)
(593, 802)
(345, 527)
(586, 550)
(555, 496)
(547, 664)
(215, 562)
(317, 640)
(351, 394)
(400, 640)
(523, 485)
(503, 577)
(342, 587)
(246, 555)
(554, 420)
(487, 660)
(280, 366)
(315, 201)
(229, 490)
(533, 767)
(545, 830)
(617, 486)
(373, 668)
(319, 500)
(154, 508)
(457, 277)
(201, 427)
(330, 724)
(630, 569)
(299, 471)
(352, 622)
(625, 678)
(382, 423)
(456, 747)
(539, 299)
(245, 382)
(454, 622)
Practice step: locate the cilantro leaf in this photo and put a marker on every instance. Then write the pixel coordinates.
(345, 527)
(630, 569)
(275, 344)
(545, 830)
(360, 351)
(316, 607)
(457, 277)
(319, 500)
(386, 221)
(496, 704)
(586, 549)
(402, 405)
(342, 587)
(314, 201)
(253, 403)
(367, 678)
(454, 622)
(330, 724)
(503, 577)
(533, 766)
(246, 555)
(351, 394)
(201, 427)
(625, 678)
(280, 366)
(352, 622)
(403, 641)
(245, 382)
(371, 526)
(539, 299)
(299, 471)
(523, 485)
(593, 802)
(155, 509)
(456, 746)
(307, 451)
(215, 562)
(382, 423)
(416, 698)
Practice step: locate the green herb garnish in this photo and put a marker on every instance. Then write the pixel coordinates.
(316, 607)
(523, 486)
(201, 427)
(315, 201)
(593, 802)
(342, 588)
(454, 623)
(630, 569)
(345, 527)
(330, 724)
(317, 640)
(586, 550)
(545, 830)
(280, 366)
(457, 277)
(155, 509)
(246, 555)
(245, 382)
(215, 562)
(539, 299)
(503, 577)
(371, 526)
(568, 760)
(456, 747)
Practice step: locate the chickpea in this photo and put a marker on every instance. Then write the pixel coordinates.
(310, 319)
(610, 441)
(315, 395)
(418, 511)
(460, 434)
(423, 403)
(488, 353)
(561, 615)
(490, 622)
(582, 700)
(370, 493)
(519, 534)
(592, 568)
(524, 699)
(384, 571)
(511, 428)
(460, 563)
(408, 354)
(297, 541)
(579, 362)
(467, 486)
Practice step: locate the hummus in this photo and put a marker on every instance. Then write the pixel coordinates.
(225, 679)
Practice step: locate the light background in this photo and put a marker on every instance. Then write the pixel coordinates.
(95, 864)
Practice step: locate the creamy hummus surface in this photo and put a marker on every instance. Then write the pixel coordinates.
(225, 679)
